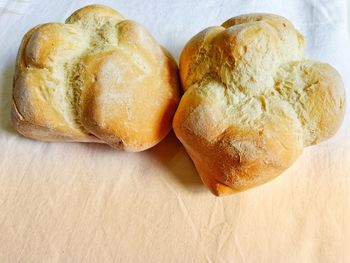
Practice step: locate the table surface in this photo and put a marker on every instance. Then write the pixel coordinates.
(348, 4)
(72, 202)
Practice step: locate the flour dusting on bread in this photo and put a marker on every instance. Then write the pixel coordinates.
(96, 78)
(252, 101)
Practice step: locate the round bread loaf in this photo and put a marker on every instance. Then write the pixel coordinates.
(96, 78)
(252, 101)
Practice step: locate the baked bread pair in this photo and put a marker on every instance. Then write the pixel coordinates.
(251, 101)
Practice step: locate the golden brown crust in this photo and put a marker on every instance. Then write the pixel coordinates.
(252, 101)
(98, 77)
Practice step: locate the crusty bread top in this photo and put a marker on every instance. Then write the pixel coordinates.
(252, 101)
(98, 77)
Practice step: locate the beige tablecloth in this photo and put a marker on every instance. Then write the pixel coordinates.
(89, 203)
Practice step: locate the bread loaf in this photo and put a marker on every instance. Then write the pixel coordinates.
(252, 101)
(96, 78)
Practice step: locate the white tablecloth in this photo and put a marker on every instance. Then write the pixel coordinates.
(71, 202)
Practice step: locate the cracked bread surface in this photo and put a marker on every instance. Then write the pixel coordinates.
(96, 78)
(252, 101)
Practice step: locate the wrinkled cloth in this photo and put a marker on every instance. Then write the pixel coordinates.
(75, 202)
